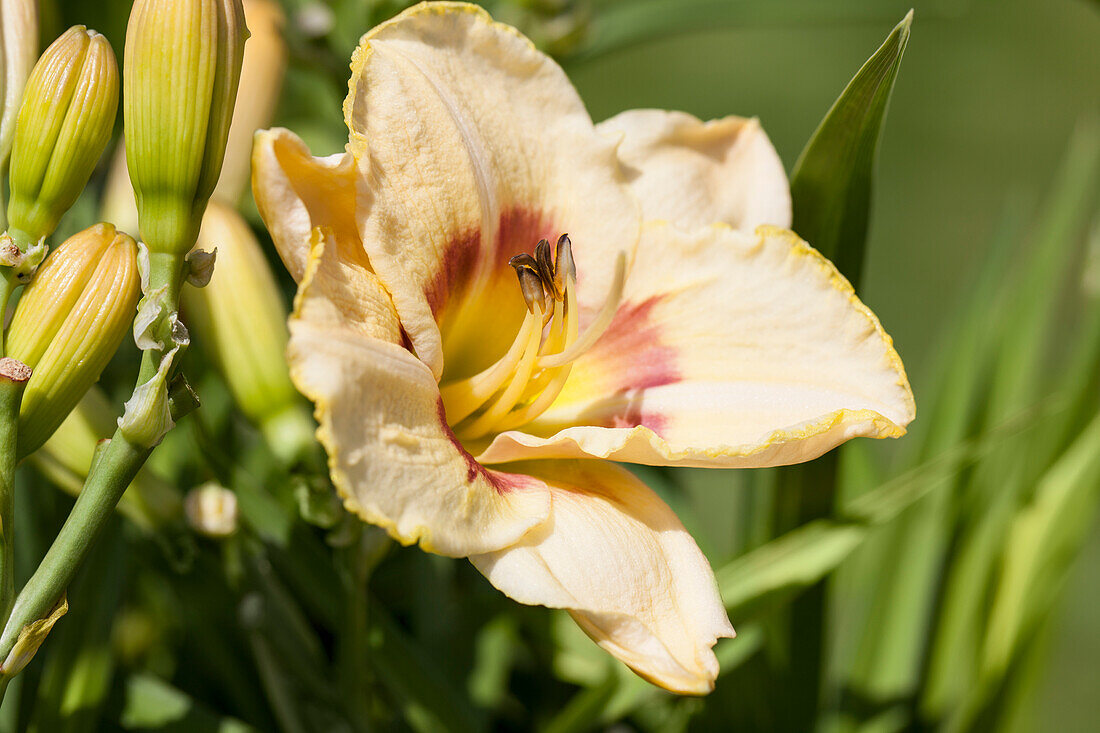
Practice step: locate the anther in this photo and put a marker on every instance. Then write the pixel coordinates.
(530, 283)
(546, 268)
(564, 267)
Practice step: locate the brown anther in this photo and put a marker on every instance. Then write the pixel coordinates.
(530, 283)
(563, 263)
(546, 268)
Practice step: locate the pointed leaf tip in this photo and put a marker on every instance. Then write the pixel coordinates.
(832, 180)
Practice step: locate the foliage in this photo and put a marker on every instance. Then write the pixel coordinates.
(937, 571)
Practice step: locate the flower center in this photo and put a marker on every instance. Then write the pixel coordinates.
(524, 382)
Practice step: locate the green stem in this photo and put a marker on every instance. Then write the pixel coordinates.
(113, 469)
(112, 472)
(11, 394)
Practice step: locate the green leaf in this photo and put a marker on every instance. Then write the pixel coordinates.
(154, 705)
(624, 23)
(831, 183)
(1002, 482)
(795, 560)
(1044, 538)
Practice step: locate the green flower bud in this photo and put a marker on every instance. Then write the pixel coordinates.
(64, 123)
(240, 320)
(69, 323)
(18, 52)
(182, 66)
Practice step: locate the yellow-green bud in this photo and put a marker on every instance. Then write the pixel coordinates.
(64, 123)
(69, 323)
(19, 39)
(182, 66)
(240, 320)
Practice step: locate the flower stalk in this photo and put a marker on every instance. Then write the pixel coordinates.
(182, 66)
(14, 376)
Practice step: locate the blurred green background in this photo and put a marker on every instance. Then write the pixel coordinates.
(988, 95)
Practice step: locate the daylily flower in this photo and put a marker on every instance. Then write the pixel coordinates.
(479, 416)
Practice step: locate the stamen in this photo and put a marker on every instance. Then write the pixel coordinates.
(530, 283)
(551, 382)
(564, 267)
(546, 268)
(599, 324)
(512, 393)
(462, 399)
(525, 382)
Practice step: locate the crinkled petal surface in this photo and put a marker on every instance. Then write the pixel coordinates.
(730, 349)
(391, 454)
(296, 192)
(695, 173)
(471, 146)
(615, 556)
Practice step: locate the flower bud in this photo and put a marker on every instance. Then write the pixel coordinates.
(69, 323)
(261, 79)
(64, 123)
(240, 319)
(18, 52)
(66, 458)
(182, 66)
(211, 510)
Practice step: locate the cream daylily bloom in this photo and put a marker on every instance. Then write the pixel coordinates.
(469, 413)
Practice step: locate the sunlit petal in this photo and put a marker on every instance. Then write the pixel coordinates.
(695, 173)
(730, 349)
(391, 454)
(471, 146)
(615, 556)
(296, 192)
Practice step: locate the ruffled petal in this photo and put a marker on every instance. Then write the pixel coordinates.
(695, 173)
(617, 558)
(471, 146)
(392, 456)
(296, 192)
(730, 350)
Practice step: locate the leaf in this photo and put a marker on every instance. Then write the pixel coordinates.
(1044, 538)
(627, 23)
(795, 560)
(1003, 481)
(154, 705)
(831, 183)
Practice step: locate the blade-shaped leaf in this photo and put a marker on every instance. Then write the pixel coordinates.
(831, 183)
(1001, 483)
(1044, 538)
